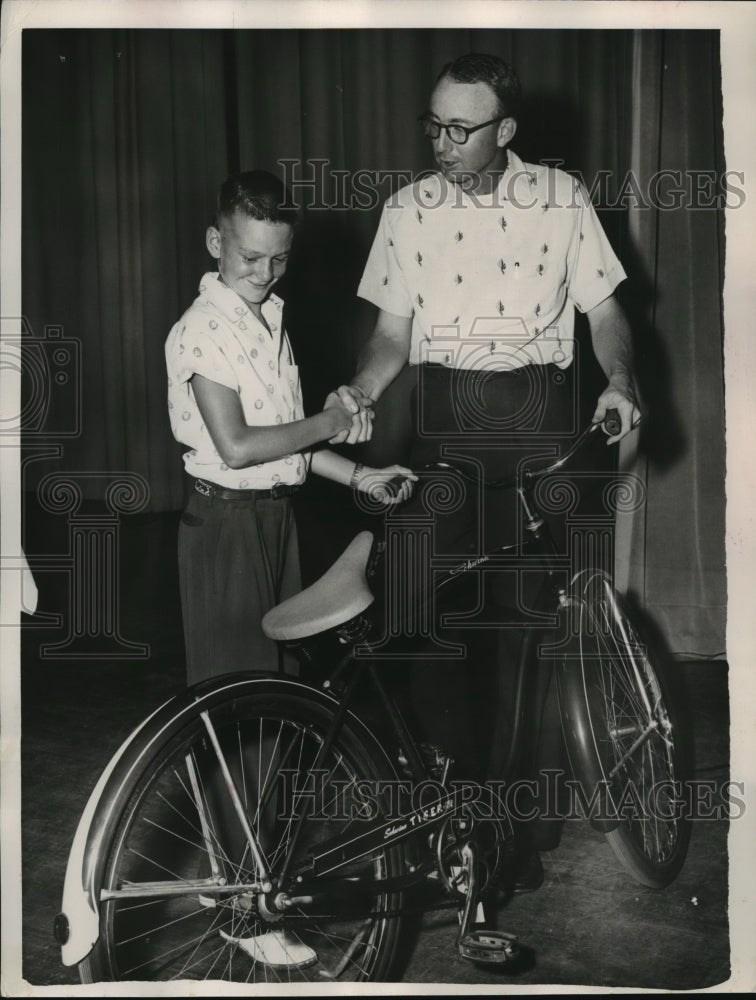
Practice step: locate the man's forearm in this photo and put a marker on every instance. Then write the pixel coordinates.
(380, 362)
(384, 355)
(612, 344)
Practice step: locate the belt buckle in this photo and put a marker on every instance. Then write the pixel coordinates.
(279, 490)
(203, 488)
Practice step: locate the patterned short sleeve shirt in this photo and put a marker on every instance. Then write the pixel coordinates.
(218, 337)
(491, 281)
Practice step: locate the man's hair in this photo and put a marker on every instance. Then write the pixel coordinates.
(258, 195)
(499, 75)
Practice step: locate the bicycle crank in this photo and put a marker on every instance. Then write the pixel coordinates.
(486, 947)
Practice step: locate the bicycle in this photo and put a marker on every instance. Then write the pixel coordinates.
(256, 828)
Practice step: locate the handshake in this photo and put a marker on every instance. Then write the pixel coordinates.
(352, 413)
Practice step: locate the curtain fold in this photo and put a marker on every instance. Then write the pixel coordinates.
(670, 552)
(127, 134)
(123, 142)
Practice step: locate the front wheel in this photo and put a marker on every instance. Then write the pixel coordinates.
(623, 737)
(180, 895)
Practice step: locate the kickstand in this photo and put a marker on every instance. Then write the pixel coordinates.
(477, 944)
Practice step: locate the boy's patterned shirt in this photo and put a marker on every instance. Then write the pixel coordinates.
(219, 338)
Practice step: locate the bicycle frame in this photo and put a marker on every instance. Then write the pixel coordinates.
(344, 851)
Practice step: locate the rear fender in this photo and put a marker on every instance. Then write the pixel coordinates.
(77, 927)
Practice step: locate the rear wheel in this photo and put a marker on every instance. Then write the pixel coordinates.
(180, 896)
(623, 737)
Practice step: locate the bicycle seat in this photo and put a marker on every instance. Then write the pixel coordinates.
(340, 594)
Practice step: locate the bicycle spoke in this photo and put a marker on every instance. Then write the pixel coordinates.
(629, 733)
(206, 919)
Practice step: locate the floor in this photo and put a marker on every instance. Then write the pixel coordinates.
(589, 924)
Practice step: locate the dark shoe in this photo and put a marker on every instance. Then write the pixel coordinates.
(528, 872)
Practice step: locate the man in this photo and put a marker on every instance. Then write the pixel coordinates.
(480, 94)
(476, 271)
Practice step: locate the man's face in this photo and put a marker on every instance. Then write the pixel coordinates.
(469, 104)
(251, 254)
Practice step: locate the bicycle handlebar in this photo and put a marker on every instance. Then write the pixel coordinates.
(611, 423)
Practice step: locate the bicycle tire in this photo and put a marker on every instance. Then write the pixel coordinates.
(174, 823)
(623, 735)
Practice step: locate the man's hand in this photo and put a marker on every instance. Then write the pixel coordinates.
(389, 486)
(612, 345)
(360, 406)
(622, 399)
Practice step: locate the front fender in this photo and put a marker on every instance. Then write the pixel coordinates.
(77, 927)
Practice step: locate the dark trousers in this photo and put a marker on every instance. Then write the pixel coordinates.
(237, 560)
(487, 423)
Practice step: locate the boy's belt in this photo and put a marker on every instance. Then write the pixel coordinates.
(276, 492)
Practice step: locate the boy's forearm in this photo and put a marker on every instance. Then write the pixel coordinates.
(240, 444)
(252, 445)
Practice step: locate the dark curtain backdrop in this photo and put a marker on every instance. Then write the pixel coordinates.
(127, 134)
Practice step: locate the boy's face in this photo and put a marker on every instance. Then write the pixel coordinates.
(251, 254)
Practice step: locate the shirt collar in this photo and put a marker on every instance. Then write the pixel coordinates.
(435, 184)
(232, 305)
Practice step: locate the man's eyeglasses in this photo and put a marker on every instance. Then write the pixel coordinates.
(459, 134)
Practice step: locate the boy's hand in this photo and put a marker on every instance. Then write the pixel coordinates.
(340, 416)
(361, 408)
(391, 485)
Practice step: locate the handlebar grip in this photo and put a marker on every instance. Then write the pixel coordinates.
(394, 485)
(612, 422)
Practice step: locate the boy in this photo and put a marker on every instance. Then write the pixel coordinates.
(234, 398)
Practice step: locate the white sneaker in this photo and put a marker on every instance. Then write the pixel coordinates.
(278, 949)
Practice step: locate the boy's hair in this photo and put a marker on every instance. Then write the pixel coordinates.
(499, 75)
(258, 195)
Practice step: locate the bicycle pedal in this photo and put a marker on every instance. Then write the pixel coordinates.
(489, 947)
